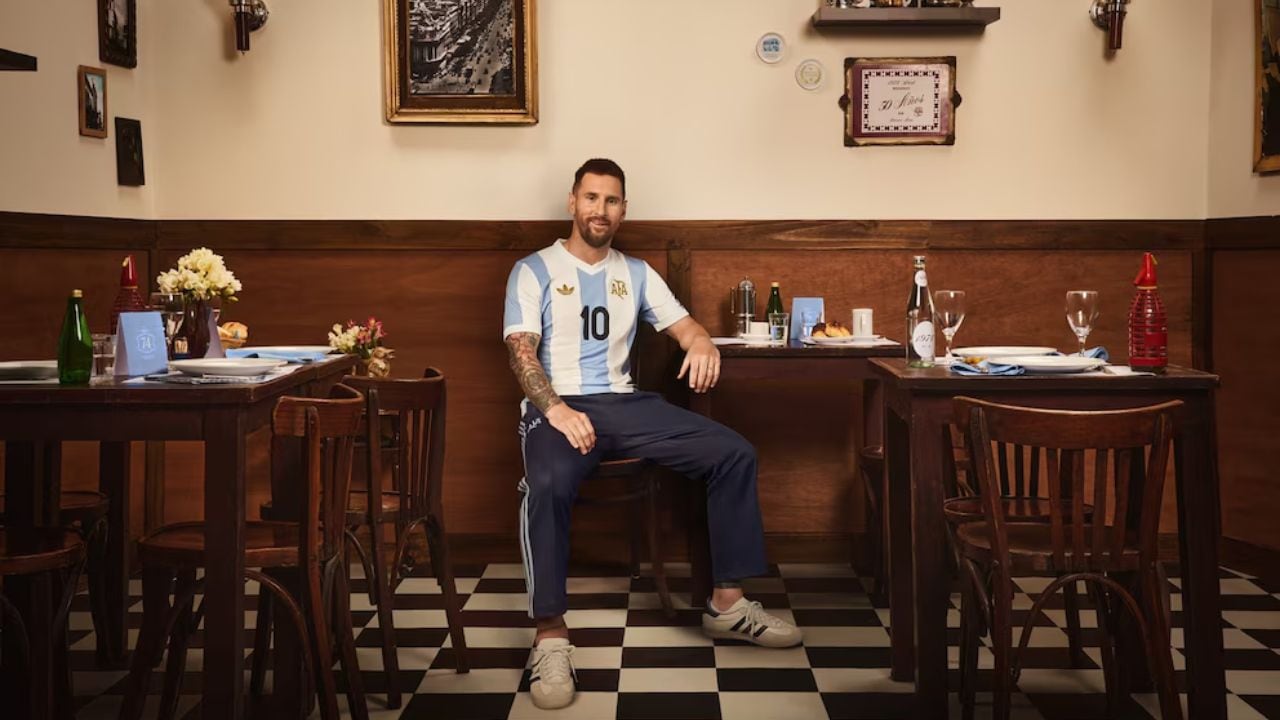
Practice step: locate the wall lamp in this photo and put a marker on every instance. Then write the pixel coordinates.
(1109, 15)
(250, 15)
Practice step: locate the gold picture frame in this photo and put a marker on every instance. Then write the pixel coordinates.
(899, 101)
(463, 61)
(91, 89)
(1266, 135)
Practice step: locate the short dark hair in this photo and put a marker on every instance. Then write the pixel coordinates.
(601, 166)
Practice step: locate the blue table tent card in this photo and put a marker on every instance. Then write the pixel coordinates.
(805, 311)
(140, 344)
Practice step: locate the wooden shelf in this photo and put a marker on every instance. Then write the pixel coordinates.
(10, 60)
(971, 18)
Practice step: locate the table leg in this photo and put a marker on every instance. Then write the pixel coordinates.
(288, 499)
(224, 472)
(1200, 520)
(897, 515)
(932, 576)
(113, 481)
(153, 502)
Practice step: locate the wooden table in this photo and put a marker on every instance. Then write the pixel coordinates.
(763, 364)
(917, 412)
(36, 418)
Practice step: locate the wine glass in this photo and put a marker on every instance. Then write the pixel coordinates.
(169, 304)
(948, 313)
(1082, 311)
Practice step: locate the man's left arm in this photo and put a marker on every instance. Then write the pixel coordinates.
(701, 356)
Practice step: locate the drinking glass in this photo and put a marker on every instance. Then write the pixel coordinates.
(948, 313)
(779, 323)
(104, 356)
(808, 318)
(1082, 311)
(170, 307)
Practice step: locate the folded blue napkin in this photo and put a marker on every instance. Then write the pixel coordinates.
(986, 367)
(293, 356)
(1099, 353)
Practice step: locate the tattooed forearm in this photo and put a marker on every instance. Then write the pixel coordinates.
(523, 350)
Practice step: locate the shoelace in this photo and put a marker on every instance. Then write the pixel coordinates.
(756, 616)
(554, 665)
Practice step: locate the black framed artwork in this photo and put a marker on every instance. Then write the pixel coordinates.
(129, 167)
(118, 32)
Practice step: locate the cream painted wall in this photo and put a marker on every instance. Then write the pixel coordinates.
(1049, 127)
(46, 166)
(1234, 190)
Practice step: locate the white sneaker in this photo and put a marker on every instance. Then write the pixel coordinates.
(552, 680)
(747, 620)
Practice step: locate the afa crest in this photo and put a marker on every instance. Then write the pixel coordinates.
(618, 287)
(565, 289)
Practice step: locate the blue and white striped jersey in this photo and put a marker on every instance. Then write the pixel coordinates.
(587, 315)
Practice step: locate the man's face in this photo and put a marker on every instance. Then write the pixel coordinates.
(598, 208)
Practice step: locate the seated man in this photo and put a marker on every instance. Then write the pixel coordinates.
(571, 316)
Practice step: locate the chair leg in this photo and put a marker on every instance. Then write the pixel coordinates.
(635, 529)
(1158, 643)
(292, 611)
(442, 564)
(15, 657)
(364, 559)
(968, 647)
(1002, 644)
(652, 517)
(155, 611)
(261, 641)
(382, 594)
(179, 636)
(1107, 648)
(96, 570)
(321, 644)
(1071, 603)
(357, 706)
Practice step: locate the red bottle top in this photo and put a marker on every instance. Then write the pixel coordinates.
(1148, 322)
(127, 299)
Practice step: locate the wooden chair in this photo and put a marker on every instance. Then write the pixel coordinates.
(871, 469)
(85, 511)
(327, 429)
(1130, 451)
(44, 553)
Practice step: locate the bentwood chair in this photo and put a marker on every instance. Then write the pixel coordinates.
(1116, 457)
(171, 555)
(46, 555)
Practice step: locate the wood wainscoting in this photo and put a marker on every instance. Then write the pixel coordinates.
(438, 286)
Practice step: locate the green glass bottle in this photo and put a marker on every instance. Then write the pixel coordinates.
(75, 345)
(775, 301)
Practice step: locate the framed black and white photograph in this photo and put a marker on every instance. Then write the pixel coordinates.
(461, 61)
(118, 32)
(91, 85)
(1266, 135)
(900, 101)
(129, 167)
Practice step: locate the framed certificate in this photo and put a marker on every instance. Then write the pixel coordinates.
(900, 101)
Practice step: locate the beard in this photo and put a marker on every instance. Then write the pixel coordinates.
(594, 238)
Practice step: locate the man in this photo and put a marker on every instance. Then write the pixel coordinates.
(572, 311)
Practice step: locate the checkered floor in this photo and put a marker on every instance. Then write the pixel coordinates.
(634, 663)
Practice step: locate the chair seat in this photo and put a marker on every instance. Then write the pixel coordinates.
(1016, 509)
(24, 551)
(621, 467)
(81, 506)
(1031, 549)
(266, 544)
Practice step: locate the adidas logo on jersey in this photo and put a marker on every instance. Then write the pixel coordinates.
(565, 289)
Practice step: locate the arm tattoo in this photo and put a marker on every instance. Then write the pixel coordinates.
(523, 349)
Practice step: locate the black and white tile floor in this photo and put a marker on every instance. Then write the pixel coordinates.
(634, 663)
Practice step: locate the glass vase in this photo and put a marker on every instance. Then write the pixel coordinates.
(195, 327)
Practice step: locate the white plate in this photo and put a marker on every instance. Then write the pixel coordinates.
(290, 349)
(246, 367)
(845, 340)
(757, 337)
(1000, 351)
(28, 369)
(1053, 363)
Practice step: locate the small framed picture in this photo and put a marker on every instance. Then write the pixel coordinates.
(91, 84)
(118, 32)
(900, 101)
(129, 167)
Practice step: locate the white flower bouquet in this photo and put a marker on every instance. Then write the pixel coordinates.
(200, 275)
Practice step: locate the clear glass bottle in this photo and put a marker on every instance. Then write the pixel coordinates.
(920, 345)
(75, 344)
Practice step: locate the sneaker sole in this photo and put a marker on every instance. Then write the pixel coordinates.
(551, 705)
(731, 635)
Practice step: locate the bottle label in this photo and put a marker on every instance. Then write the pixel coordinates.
(922, 280)
(922, 340)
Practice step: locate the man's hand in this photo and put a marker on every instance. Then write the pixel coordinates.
(574, 425)
(702, 363)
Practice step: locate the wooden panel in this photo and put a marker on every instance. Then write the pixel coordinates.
(1245, 346)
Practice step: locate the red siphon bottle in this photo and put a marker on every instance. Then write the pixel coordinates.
(127, 299)
(1148, 322)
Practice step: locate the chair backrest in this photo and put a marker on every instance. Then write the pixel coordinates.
(328, 429)
(417, 409)
(1126, 450)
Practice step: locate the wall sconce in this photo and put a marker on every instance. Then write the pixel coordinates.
(1109, 15)
(250, 15)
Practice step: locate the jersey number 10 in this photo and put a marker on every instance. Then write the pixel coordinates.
(595, 323)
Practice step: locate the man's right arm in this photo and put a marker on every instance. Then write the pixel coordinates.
(522, 347)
